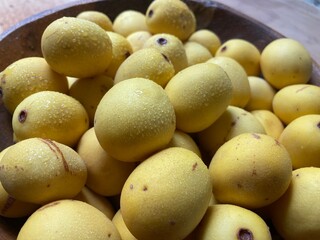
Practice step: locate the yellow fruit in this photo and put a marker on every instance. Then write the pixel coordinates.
(171, 16)
(52, 115)
(295, 101)
(98, 18)
(244, 52)
(226, 221)
(261, 94)
(296, 214)
(285, 62)
(238, 77)
(39, 170)
(207, 38)
(250, 170)
(76, 47)
(166, 196)
(138, 39)
(134, 119)
(106, 175)
(196, 53)
(121, 226)
(199, 95)
(301, 138)
(26, 76)
(270, 122)
(68, 219)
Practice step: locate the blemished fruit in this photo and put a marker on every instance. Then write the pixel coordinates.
(69, 219)
(301, 138)
(226, 221)
(98, 18)
(295, 101)
(134, 119)
(27, 76)
(199, 95)
(296, 214)
(285, 62)
(52, 170)
(52, 115)
(250, 170)
(76, 47)
(157, 204)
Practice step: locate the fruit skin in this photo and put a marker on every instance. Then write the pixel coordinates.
(76, 47)
(134, 119)
(285, 62)
(68, 219)
(296, 214)
(51, 115)
(199, 95)
(227, 221)
(250, 170)
(301, 138)
(27, 76)
(295, 101)
(121, 226)
(196, 53)
(207, 38)
(166, 196)
(40, 170)
(137, 39)
(98, 18)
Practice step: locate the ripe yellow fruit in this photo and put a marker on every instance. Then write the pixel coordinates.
(98, 18)
(121, 226)
(226, 221)
(166, 196)
(207, 38)
(199, 95)
(301, 138)
(51, 115)
(134, 119)
(138, 39)
(250, 170)
(296, 214)
(285, 62)
(196, 53)
(68, 219)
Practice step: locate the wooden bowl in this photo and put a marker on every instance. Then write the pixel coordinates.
(23, 40)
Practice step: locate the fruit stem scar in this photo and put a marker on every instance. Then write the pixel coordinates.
(150, 13)
(244, 234)
(318, 125)
(22, 116)
(224, 48)
(162, 41)
(194, 166)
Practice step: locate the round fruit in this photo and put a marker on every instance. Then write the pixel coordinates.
(207, 38)
(250, 170)
(97, 17)
(138, 39)
(134, 119)
(166, 196)
(121, 226)
(196, 53)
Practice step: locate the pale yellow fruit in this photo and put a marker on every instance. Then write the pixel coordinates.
(207, 38)
(270, 122)
(89, 92)
(296, 214)
(227, 221)
(182, 139)
(244, 52)
(238, 77)
(68, 219)
(129, 21)
(97, 201)
(39, 170)
(171, 16)
(138, 39)
(302, 140)
(199, 95)
(295, 101)
(233, 122)
(261, 94)
(134, 119)
(285, 62)
(52, 115)
(147, 63)
(76, 47)
(121, 50)
(97, 17)
(196, 53)
(12, 208)
(166, 196)
(250, 170)
(4, 151)
(121, 227)
(106, 175)
(26, 76)
(170, 46)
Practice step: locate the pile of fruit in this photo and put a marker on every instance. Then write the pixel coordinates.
(145, 127)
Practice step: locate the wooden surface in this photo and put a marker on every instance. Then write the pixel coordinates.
(292, 18)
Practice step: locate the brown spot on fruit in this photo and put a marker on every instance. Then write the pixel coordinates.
(172, 223)
(131, 186)
(22, 117)
(10, 201)
(145, 188)
(233, 123)
(162, 41)
(194, 166)
(150, 13)
(254, 172)
(127, 54)
(3, 79)
(224, 48)
(244, 234)
(239, 185)
(109, 235)
(256, 136)
(318, 124)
